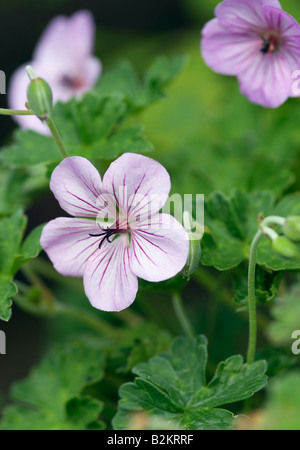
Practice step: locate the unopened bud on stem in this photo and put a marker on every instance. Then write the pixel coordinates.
(285, 247)
(194, 247)
(291, 228)
(39, 95)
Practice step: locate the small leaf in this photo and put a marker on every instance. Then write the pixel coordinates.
(7, 290)
(83, 412)
(173, 386)
(30, 248)
(232, 224)
(266, 286)
(50, 399)
(140, 93)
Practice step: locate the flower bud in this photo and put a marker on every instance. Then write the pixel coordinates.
(291, 228)
(194, 247)
(39, 96)
(285, 247)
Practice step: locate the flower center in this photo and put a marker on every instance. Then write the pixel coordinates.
(108, 233)
(71, 82)
(271, 42)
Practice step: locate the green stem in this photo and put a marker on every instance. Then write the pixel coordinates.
(56, 137)
(252, 299)
(15, 112)
(181, 315)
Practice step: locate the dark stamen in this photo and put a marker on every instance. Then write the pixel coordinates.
(107, 234)
(271, 43)
(71, 82)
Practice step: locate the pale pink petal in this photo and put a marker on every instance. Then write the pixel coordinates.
(67, 38)
(226, 52)
(76, 184)
(93, 70)
(68, 244)
(109, 282)
(63, 58)
(139, 184)
(243, 15)
(159, 248)
(267, 81)
(81, 30)
(52, 43)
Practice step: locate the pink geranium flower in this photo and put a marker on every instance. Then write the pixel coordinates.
(259, 43)
(137, 242)
(63, 57)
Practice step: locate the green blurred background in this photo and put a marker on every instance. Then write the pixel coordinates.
(208, 136)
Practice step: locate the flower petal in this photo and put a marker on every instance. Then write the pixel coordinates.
(76, 184)
(159, 248)
(280, 21)
(226, 52)
(68, 244)
(109, 282)
(243, 15)
(139, 184)
(67, 38)
(268, 80)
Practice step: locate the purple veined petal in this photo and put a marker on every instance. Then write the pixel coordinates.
(159, 248)
(109, 282)
(68, 244)
(281, 21)
(76, 184)
(267, 82)
(17, 97)
(139, 184)
(228, 53)
(243, 15)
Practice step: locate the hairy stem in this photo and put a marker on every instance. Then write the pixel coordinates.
(15, 112)
(56, 137)
(252, 299)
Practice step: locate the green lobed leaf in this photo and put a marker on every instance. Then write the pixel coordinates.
(7, 290)
(30, 248)
(232, 224)
(28, 149)
(52, 397)
(13, 254)
(173, 386)
(91, 127)
(140, 93)
(266, 286)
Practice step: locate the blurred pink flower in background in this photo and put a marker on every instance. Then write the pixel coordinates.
(259, 43)
(63, 57)
(140, 242)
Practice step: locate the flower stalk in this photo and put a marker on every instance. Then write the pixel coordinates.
(57, 138)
